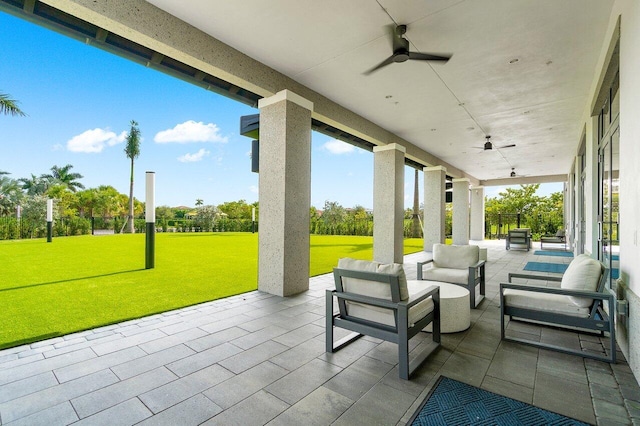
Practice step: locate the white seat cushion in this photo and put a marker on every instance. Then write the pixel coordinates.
(556, 303)
(455, 276)
(385, 316)
(583, 273)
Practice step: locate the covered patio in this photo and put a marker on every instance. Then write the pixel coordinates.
(258, 358)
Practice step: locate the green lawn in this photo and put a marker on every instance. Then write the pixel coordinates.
(76, 283)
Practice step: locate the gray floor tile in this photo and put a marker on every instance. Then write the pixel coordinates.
(172, 340)
(509, 389)
(200, 360)
(252, 357)
(321, 407)
(563, 396)
(126, 413)
(295, 357)
(163, 397)
(465, 368)
(299, 335)
(43, 365)
(151, 362)
(258, 409)
(515, 368)
(127, 342)
(61, 414)
(299, 383)
(254, 339)
(93, 402)
(383, 405)
(89, 366)
(50, 397)
(358, 378)
(215, 339)
(234, 390)
(26, 386)
(190, 412)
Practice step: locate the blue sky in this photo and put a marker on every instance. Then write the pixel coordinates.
(80, 100)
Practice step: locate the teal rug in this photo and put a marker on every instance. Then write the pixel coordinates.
(553, 253)
(451, 402)
(556, 268)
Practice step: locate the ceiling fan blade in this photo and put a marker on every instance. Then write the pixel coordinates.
(507, 146)
(384, 63)
(428, 57)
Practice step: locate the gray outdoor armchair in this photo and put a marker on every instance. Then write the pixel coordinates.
(577, 304)
(375, 300)
(456, 264)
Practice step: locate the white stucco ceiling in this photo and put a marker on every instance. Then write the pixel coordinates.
(447, 109)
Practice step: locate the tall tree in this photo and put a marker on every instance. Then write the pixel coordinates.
(132, 150)
(63, 176)
(9, 106)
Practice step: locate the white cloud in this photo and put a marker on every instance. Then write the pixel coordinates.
(338, 147)
(192, 158)
(190, 131)
(94, 140)
(254, 189)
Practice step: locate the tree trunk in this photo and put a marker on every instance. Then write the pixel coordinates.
(416, 229)
(131, 229)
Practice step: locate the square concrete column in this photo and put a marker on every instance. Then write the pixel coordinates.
(477, 213)
(434, 206)
(388, 203)
(285, 193)
(460, 211)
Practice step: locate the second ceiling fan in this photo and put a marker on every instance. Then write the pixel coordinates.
(488, 145)
(401, 51)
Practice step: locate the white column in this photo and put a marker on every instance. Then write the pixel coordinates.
(285, 193)
(460, 211)
(434, 206)
(388, 203)
(477, 213)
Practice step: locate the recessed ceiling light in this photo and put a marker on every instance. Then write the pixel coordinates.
(549, 62)
(433, 130)
(388, 97)
(461, 104)
(527, 112)
(471, 128)
(514, 60)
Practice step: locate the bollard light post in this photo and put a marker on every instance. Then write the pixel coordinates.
(49, 219)
(150, 219)
(253, 219)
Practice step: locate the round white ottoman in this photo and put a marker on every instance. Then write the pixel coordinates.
(455, 314)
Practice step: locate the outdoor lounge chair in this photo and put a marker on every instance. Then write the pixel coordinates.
(375, 300)
(456, 264)
(520, 237)
(559, 238)
(577, 304)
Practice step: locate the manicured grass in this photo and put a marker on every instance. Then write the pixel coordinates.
(77, 283)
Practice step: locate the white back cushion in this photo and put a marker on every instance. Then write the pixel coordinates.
(455, 257)
(373, 288)
(583, 273)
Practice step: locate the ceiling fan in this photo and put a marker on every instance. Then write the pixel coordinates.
(514, 174)
(401, 51)
(488, 145)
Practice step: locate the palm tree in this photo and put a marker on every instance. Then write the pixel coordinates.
(132, 150)
(34, 185)
(9, 106)
(63, 176)
(199, 202)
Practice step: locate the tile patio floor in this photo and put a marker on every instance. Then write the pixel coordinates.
(259, 359)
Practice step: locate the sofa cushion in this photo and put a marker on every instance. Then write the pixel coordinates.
(583, 273)
(447, 275)
(555, 303)
(455, 257)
